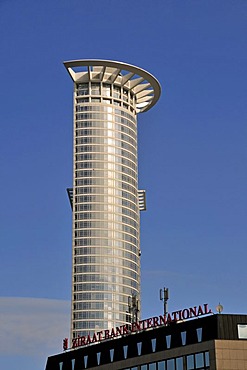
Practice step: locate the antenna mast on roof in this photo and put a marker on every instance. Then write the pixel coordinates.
(164, 296)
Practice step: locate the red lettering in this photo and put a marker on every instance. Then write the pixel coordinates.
(141, 324)
(135, 327)
(193, 312)
(155, 321)
(174, 314)
(125, 329)
(168, 318)
(83, 341)
(138, 326)
(118, 331)
(65, 344)
(206, 309)
(100, 335)
(79, 341)
(163, 320)
(200, 311)
(88, 340)
(185, 314)
(107, 336)
(149, 323)
(95, 339)
(144, 327)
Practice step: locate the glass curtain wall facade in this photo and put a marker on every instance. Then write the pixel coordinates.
(105, 199)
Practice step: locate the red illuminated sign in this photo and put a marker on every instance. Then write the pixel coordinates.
(65, 344)
(153, 322)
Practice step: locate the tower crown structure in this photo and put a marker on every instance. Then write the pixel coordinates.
(105, 199)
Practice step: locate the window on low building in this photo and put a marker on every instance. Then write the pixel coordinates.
(190, 362)
(125, 350)
(170, 365)
(168, 341)
(199, 334)
(111, 354)
(98, 358)
(153, 344)
(73, 363)
(139, 348)
(85, 361)
(242, 331)
(161, 365)
(144, 367)
(199, 360)
(179, 363)
(183, 337)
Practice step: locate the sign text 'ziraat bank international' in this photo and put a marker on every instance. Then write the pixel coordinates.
(141, 325)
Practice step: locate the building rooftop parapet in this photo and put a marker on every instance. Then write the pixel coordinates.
(197, 332)
(143, 85)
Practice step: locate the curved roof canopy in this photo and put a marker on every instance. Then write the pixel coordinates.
(142, 84)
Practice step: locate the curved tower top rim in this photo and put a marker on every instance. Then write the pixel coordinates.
(141, 83)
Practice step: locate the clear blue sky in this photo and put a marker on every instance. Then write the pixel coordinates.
(192, 156)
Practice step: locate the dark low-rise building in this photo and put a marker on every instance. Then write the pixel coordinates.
(215, 342)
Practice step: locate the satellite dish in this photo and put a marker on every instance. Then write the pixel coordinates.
(219, 308)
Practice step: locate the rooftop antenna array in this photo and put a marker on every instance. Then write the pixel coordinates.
(164, 296)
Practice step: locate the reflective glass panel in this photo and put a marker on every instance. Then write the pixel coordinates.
(153, 344)
(179, 363)
(111, 354)
(170, 364)
(161, 365)
(242, 331)
(183, 337)
(168, 341)
(139, 348)
(199, 334)
(73, 363)
(125, 350)
(85, 361)
(199, 360)
(190, 362)
(152, 366)
(98, 357)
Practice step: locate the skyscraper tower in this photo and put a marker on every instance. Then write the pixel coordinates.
(105, 199)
